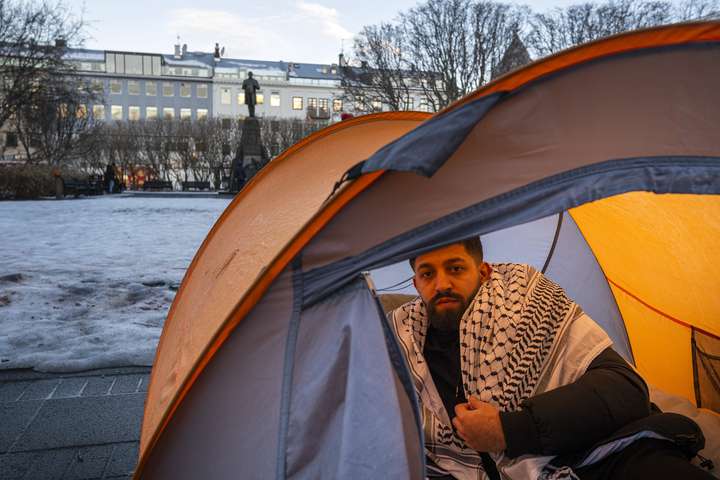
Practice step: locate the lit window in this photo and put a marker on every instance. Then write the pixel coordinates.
(185, 113)
(133, 87)
(133, 113)
(115, 86)
(81, 111)
(241, 98)
(360, 103)
(150, 112)
(202, 113)
(297, 103)
(324, 104)
(312, 103)
(225, 96)
(99, 112)
(377, 105)
(337, 105)
(168, 89)
(150, 89)
(202, 91)
(275, 100)
(185, 90)
(116, 111)
(169, 113)
(260, 98)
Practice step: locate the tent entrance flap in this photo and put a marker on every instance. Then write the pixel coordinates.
(350, 413)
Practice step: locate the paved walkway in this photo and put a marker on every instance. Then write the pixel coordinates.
(72, 426)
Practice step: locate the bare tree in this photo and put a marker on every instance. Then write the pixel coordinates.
(54, 125)
(33, 37)
(562, 28)
(381, 76)
(441, 49)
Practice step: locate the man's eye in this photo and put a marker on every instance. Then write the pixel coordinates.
(457, 269)
(426, 274)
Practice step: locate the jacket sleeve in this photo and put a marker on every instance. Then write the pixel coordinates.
(573, 417)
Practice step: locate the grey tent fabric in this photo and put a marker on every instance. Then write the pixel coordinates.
(350, 416)
(427, 147)
(574, 267)
(244, 419)
(699, 175)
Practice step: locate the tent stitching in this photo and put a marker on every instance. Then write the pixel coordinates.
(662, 313)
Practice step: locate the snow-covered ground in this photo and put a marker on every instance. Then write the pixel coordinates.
(87, 283)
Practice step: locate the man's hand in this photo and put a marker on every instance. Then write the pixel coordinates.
(478, 423)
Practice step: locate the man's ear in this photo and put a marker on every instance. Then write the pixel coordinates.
(485, 271)
(415, 284)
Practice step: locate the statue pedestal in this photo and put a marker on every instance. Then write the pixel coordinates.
(251, 156)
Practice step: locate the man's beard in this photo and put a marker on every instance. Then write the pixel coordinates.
(449, 318)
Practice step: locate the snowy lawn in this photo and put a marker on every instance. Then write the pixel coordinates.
(87, 283)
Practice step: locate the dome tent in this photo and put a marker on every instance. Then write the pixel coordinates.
(275, 359)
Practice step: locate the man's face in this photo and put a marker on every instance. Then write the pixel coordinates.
(447, 279)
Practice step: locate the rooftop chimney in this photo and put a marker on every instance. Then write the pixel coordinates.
(216, 55)
(184, 49)
(341, 60)
(177, 51)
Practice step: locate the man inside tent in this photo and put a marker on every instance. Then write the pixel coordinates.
(513, 377)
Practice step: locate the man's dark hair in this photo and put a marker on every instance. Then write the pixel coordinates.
(472, 245)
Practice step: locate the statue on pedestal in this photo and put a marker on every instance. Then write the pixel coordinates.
(250, 86)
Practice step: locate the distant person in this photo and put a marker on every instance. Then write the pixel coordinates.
(110, 179)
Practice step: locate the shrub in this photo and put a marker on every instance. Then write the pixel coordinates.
(24, 182)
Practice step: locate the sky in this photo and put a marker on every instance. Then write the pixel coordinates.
(312, 31)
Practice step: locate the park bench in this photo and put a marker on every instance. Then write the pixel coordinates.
(158, 185)
(83, 187)
(187, 186)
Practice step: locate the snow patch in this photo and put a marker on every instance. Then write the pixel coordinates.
(87, 283)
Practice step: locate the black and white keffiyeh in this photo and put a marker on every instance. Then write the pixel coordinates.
(514, 343)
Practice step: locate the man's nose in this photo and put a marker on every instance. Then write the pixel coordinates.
(442, 282)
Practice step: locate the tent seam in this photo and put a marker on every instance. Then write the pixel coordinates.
(288, 368)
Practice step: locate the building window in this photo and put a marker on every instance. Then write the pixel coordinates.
(81, 111)
(202, 91)
(150, 112)
(297, 103)
(241, 98)
(185, 90)
(99, 112)
(359, 103)
(133, 113)
(169, 113)
(115, 87)
(150, 89)
(337, 105)
(116, 111)
(11, 139)
(133, 64)
(260, 98)
(324, 104)
(202, 113)
(274, 99)
(312, 103)
(409, 103)
(225, 96)
(133, 87)
(168, 89)
(185, 113)
(376, 106)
